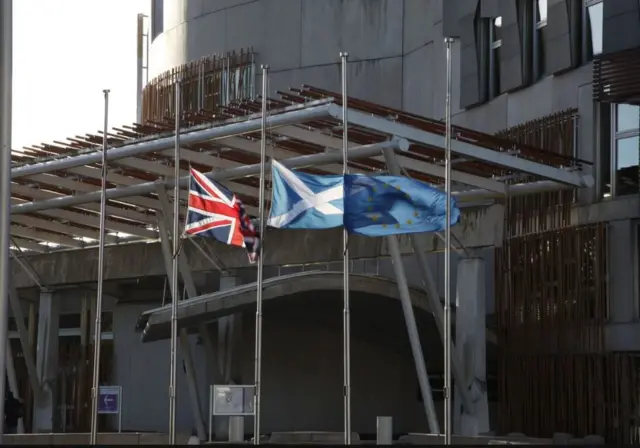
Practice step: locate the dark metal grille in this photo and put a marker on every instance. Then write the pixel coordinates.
(616, 77)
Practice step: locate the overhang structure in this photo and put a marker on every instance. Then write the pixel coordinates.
(56, 187)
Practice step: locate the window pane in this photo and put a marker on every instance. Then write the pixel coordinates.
(628, 150)
(542, 10)
(627, 117)
(157, 18)
(595, 19)
(497, 29)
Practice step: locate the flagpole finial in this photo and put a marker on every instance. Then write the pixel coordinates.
(344, 54)
(264, 67)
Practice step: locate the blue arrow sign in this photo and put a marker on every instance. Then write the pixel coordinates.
(109, 400)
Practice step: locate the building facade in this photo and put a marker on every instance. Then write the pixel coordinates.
(563, 298)
(560, 75)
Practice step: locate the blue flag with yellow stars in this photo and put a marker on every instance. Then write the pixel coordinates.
(389, 205)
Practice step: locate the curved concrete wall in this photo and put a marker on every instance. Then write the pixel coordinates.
(392, 44)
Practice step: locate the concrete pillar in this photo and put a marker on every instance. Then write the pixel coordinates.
(471, 346)
(47, 362)
(384, 430)
(229, 340)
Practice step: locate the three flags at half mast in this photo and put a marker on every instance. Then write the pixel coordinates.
(376, 205)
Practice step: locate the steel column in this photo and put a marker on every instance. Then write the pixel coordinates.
(414, 337)
(47, 361)
(23, 334)
(6, 87)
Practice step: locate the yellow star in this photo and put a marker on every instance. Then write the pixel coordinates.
(373, 189)
(409, 221)
(370, 199)
(397, 225)
(416, 214)
(370, 208)
(384, 226)
(374, 218)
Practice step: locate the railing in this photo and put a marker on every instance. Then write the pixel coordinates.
(207, 84)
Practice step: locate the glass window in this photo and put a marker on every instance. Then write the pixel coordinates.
(627, 117)
(542, 12)
(627, 158)
(595, 21)
(157, 18)
(497, 29)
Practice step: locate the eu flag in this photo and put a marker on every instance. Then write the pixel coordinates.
(388, 205)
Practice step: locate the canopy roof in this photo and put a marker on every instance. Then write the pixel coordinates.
(56, 187)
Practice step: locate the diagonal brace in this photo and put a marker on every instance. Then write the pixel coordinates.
(432, 293)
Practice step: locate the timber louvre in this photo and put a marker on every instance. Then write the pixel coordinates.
(553, 292)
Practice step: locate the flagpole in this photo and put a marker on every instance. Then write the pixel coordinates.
(258, 346)
(447, 258)
(174, 273)
(345, 264)
(97, 339)
(6, 82)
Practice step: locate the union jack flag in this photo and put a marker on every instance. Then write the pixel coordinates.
(215, 212)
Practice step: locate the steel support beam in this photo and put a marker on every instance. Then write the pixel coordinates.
(418, 165)
(31, 245)
(23, 334)
(291, 115)
(572, 178)
(414, 337)
(430, 287)
(12, 381)
(48, 237)
(185, 348)
(47, 362)
(235, 173)
(42, 196)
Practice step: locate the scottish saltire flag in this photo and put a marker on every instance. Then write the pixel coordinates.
(215, 212)
(388, 205)
(305, 201)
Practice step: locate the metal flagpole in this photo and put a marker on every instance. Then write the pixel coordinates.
(258, 348)
(345, 264)
(447, 258)
(175, 238)
(97, 340)
(6, 67)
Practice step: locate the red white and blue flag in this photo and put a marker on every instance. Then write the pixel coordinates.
(215, 212)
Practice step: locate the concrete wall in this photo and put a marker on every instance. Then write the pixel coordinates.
(143, 373)
(302, 376)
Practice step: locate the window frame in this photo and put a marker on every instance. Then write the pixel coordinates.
(494, 61)
(156, 22)
(636, 277)
(586, 34)
(615, 137)
(537, 56)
